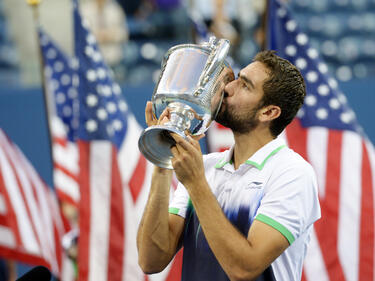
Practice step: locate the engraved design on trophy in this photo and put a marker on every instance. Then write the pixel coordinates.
(191, 85)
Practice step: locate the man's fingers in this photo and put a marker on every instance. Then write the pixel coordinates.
(191, 140)
(195, 137)
(174, 151)
(163, 120)
(176, 137)
(151, 118)
(199, 137)
(194, 141)
(183, 143)
(164, 117)
(149, 115)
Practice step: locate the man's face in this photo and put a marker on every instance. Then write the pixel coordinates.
(243, 96)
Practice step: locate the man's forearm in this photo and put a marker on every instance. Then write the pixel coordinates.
(232, 250)
(153, 239)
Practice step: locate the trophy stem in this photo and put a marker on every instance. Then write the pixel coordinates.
(180, 116)
(155, 142)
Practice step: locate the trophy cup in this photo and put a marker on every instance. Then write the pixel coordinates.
(191, 85)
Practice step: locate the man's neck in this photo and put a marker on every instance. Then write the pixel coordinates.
(245, 145)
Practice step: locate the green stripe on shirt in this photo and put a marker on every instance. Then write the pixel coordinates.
(173, 210)
(283, 230)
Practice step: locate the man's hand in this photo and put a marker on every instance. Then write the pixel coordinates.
(184, 151)
(187, 160)
(150, 117)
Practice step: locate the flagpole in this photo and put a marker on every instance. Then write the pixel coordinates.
(264, 27)
(34, 4)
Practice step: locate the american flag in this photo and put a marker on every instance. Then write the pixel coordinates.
(327, 134)
(97, 139)
(107, 235)
(31, 227)
(61, 86)
(108, 143)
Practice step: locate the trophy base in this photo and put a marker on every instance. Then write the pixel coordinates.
(155, 144)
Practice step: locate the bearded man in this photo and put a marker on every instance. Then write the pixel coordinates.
(245, 213)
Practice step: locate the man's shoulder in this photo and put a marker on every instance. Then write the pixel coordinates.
(287, 158)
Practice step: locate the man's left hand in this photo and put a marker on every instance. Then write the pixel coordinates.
(187, 160)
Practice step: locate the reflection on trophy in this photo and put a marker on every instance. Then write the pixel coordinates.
(191, 85)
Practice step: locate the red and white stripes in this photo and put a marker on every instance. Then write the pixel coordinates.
(342, 246)
(102, 233)
(65, 164)
(219, 138)
(111, 189)
(30, 223)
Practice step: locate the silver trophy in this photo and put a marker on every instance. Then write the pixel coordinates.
(191, 85)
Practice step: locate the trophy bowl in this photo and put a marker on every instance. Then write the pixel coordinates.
(191, 85)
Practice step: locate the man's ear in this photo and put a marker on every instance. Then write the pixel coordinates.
(269, 113)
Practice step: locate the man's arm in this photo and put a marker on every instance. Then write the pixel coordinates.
(242, 258)
(159, 232)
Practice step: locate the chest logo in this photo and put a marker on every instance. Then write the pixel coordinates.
(254, 185)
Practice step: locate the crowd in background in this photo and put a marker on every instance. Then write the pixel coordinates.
(134, 35)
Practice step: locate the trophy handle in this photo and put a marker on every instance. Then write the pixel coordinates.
(215, 59)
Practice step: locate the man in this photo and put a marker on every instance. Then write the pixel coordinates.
(245, 213)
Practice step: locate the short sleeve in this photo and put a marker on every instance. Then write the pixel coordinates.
(290, 202)
(180, 201)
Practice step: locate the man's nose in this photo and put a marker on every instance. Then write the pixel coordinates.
(229, 88)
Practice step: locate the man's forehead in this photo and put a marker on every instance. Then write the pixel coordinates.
(256, 71)
(256, 66)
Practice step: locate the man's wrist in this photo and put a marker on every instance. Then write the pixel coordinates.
(195, 188)
(162, 171)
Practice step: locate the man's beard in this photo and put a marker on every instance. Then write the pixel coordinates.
(238, 123)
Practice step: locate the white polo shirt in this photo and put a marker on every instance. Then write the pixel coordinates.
(275, 186)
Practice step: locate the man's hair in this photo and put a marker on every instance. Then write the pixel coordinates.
(285, 88)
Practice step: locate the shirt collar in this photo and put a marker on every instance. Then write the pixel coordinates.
(259, 158)
(227, 159)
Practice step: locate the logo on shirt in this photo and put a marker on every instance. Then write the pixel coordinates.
(254, 185)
